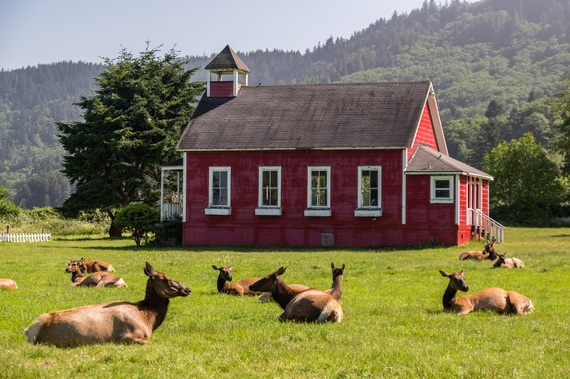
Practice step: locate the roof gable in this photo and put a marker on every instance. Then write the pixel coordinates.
(323, 116)
(426, 160)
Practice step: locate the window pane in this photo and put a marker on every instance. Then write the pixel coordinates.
(224, 178)
(373, 179)
(273, 182)
(442, 184)
(442, 194)
(265, 179)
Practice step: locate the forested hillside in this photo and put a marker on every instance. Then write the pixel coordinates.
(495, 66)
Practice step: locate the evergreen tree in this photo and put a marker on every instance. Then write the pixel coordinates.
(130, 126)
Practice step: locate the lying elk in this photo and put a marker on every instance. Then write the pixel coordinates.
(88, 265)
(489, 299)
(488, 253)
(337, 274)
(310, 305)
(97, 279)
(117, 321)
(508, 262)
(240, 288)
(9, 284)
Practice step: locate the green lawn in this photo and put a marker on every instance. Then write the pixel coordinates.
(394, 325)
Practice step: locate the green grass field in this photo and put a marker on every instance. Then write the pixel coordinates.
(393, 327)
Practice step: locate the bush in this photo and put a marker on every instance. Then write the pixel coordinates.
(137, 218)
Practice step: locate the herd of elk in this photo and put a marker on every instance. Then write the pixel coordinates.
(487, 254)
(97, 279)
(116, 321)
(488, 299)
(312, 305)
(508, 262)
(8, 284)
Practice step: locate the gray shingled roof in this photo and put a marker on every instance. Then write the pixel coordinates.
(426, 160)
(226, 59)
(321, 116)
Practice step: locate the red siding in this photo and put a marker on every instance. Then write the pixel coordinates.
(425, 222)
(221, 89)
(293, 228)
(425, 134)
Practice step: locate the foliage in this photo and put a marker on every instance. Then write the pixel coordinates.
(527, 188)
(561, 129)
(130, 126)
(7, 208)
(394, 325)
(138, 218)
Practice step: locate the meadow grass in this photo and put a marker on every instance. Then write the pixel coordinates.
(394, 325)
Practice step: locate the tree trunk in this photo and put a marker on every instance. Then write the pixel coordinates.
(114, 231)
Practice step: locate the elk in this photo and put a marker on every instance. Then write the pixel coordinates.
(116, 321)
(312, 305)
(240, 288)
(88, 265)
(508, 262)
(8, 284)
(97, 279)
(488, 299)
(488, 253)
(337, 274)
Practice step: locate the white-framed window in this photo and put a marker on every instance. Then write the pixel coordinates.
(369, 192)
(219, 198)
(318, 191)
(441, 189)
(269, 199)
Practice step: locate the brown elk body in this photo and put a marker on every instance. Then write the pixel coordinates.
(97, 279)
(240, 288)
(508, 262)
(337, 274)
(117, 321)
(88, 265)
(488, 253)
(312, 305)
(8, 284)
(489, 299)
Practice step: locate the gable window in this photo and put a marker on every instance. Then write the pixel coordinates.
(269, 203)
(318, 191)
(219, 191)
(442, 189)
(369, 191)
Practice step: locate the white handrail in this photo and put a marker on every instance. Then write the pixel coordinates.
(488, 225)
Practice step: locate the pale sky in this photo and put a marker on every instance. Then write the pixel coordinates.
(47, 31)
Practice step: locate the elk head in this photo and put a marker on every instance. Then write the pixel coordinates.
(456, 280)
(225, 272)
(267, 283)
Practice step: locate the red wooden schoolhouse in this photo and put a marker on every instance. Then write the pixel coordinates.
(359, 165)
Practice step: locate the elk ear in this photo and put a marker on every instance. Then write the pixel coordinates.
(216, 267)
(446, 274)
(332, 265)
(149, 270)
(281, 271)
(231, 268)
(463, 272)
(343, 267)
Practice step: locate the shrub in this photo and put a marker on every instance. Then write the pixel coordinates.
(137, 218)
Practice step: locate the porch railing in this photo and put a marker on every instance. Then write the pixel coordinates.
(485, 227)
(170, 211)
(25, 237)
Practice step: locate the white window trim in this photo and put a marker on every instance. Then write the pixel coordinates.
(314, 211)
(369, 211)
(268, 210)
(451, 181)
(219, 210)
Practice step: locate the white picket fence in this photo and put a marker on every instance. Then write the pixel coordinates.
(25, 237)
